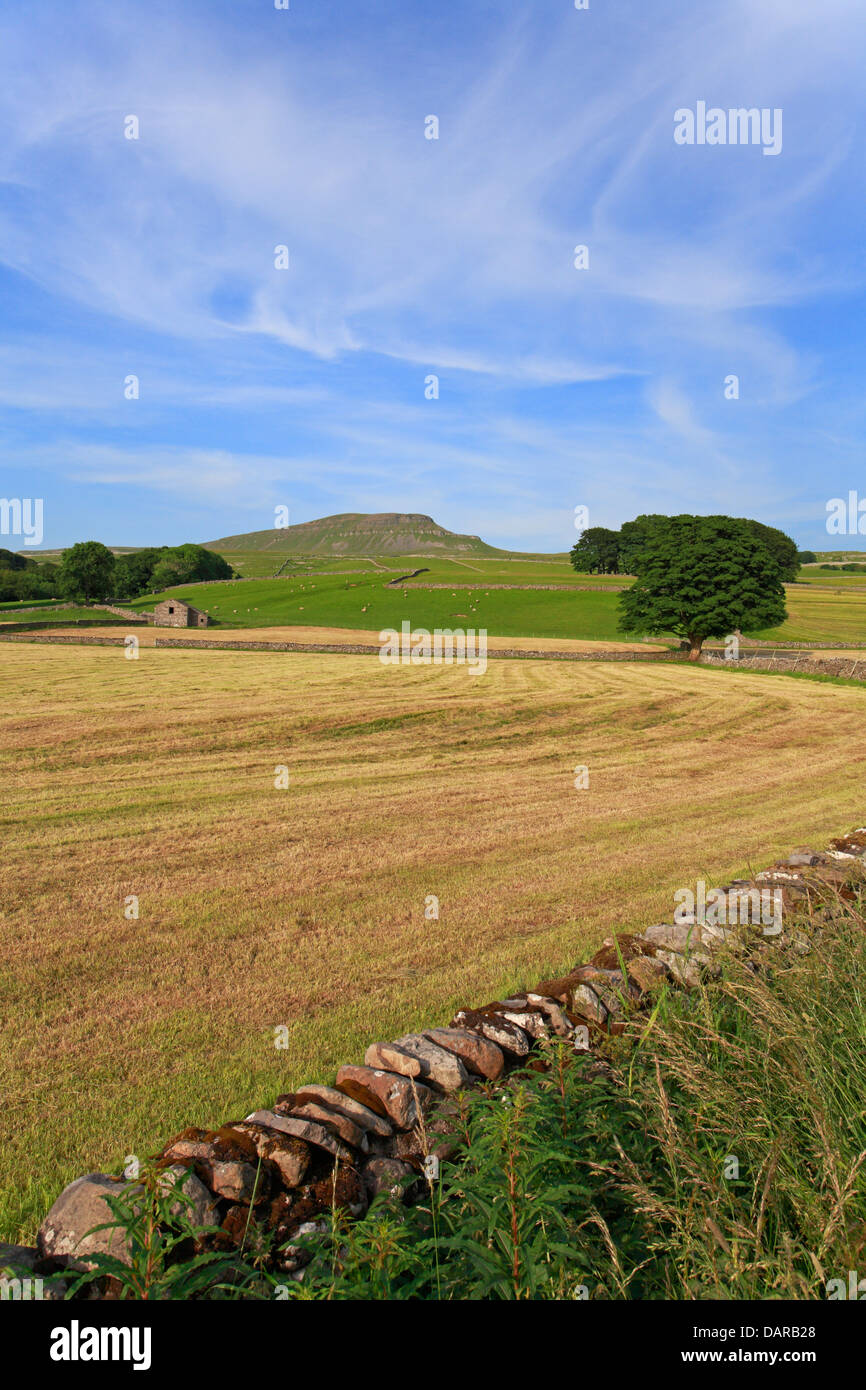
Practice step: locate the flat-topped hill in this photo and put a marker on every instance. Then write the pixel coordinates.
(360, 533)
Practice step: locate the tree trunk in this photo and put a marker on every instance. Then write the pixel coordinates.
(695, 644)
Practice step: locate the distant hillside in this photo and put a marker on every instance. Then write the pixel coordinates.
(360, 533)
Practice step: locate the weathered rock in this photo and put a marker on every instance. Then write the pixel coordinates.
(684, 969)
(228, 1144)
(621, 946)
(584, 1002)
(647, 973)
(408, 1146)
(403, 1100)
(512, 1040)
(81, 1206)
(336, 1121)
(187, 1151)
(440, 1068)
(17, 1257)
(390, 1057)
(238, 1182)
(386, 1175)
(532, 1021)
(553, 1013)
(290, 1157)
(308, 1130)
(689, 940)
(354, 1110)
(478, 1054)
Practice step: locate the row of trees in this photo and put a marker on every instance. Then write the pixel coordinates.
(602, 551)
(698, 576)
(89, 572)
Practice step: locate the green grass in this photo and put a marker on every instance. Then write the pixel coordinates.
(360, 601)
(364, 601)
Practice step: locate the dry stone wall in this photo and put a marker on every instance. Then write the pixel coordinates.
(388, 1116)
(830, 666)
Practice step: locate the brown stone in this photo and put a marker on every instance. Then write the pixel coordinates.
(647, 973)
(478, 1054)
(386, 1175)
(344, 1188)
(290, 1157)
(441, 1068)
(621, 944)
(340, 1124)
(390, 1057)
(238, 1182)
(401, 1099)
(224, 1145)
(355, 1110)
(308, 1130)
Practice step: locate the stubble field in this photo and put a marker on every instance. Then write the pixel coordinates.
(305, 906)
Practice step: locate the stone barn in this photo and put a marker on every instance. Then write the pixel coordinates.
(173, 613)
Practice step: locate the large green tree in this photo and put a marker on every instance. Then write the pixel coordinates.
(781, 547)
(87, 571)
(132, 573)
(700, 577)
(632, 536)
(186, 564)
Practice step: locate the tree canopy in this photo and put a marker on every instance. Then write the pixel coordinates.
(87, 571)
(597, 551)
(703, 576)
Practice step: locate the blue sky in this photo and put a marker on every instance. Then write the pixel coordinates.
(305, 387)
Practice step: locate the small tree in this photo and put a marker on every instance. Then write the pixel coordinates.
(807, 557)
(87, 571)
(700, 577)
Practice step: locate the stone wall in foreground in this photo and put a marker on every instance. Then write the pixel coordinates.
(389, 1118)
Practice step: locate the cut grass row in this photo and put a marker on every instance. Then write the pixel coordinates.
(305, 906)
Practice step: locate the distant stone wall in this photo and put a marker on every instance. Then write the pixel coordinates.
(35, 632)
(559, 588)
(371, 649)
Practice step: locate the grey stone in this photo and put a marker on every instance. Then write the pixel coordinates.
(553, 1013)
(81, 1206)
(478, 1054)
(440, 1068)
(307, 1130)
(511, 1039)
(334, 1120)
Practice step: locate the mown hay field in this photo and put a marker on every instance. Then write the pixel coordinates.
(305, 906)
